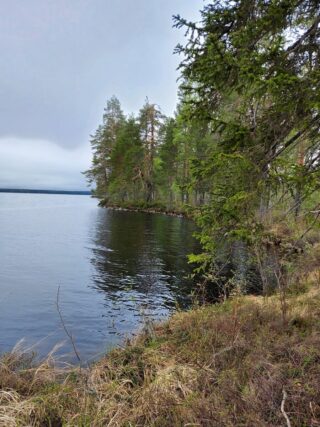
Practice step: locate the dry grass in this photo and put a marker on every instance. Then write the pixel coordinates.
(223, 365)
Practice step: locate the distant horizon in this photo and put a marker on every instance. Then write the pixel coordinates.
(60, 63)
(43, 191)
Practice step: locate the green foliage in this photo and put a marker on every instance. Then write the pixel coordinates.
(250, 70)
(244, 141)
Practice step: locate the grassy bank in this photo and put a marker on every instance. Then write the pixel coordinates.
(238, 363)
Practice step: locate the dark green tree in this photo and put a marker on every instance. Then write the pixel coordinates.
(125, 182)
(167, 171)
(251, 70)
(102, 143)
(150, 119)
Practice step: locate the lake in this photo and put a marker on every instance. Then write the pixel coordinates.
(114, 269)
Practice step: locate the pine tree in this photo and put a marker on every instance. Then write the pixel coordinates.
(102, 143)
(168, 152)
(150, 119)
(125, 184)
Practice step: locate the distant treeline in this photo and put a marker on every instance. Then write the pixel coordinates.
(23, 190)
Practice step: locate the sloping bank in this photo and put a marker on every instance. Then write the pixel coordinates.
(238, 363)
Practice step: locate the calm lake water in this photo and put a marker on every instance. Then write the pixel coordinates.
(113, 268)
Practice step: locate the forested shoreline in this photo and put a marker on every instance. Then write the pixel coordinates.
(242, 153)
(146, 160)
(242, 156)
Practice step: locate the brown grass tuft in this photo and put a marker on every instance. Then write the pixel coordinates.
(222, 365)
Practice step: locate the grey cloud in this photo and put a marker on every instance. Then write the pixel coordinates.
(40, 164)
(61, 59)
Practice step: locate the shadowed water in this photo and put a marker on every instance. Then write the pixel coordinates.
(113, 268)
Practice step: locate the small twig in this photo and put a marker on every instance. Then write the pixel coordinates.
(311, 226)
(224, 350)
(218, 353)
(69, 335)
(284, 393)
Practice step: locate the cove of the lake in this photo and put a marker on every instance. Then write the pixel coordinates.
(114, 268)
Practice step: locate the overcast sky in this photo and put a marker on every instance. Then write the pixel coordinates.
(59, 62)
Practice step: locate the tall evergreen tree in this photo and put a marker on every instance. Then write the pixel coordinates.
(150, 119)
(102, 143)
(251, 69)
(168, 152)
(125, 183)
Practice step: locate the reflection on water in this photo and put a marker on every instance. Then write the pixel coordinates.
(113, 268)
(140, 259)
(140, 267)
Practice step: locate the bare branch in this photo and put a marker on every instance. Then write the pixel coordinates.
(311, 30)
(284, 393)
(69, 335)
